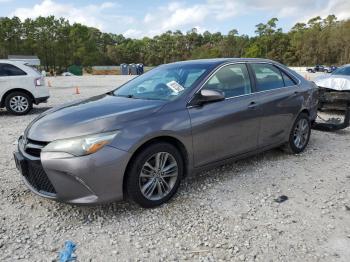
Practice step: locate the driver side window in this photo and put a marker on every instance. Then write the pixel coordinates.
(231, 80)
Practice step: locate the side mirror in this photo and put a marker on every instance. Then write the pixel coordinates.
(207, 96)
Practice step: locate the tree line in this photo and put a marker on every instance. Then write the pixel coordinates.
(59, 44)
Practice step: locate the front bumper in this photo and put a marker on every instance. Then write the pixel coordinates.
(91, 179)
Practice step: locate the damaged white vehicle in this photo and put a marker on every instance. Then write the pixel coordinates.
(338, 80)
(334, 94)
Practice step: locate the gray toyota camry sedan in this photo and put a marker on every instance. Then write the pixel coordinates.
(140, 140)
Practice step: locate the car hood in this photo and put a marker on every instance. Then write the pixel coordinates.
(335, 82)
(94, 115)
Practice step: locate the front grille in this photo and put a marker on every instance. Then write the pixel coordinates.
(33, 151)
(37, 178)
(33, 147)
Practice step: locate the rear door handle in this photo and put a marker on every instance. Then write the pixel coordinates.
(252, 105)
(295, 93)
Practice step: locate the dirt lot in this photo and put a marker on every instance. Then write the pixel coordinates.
(228, 213)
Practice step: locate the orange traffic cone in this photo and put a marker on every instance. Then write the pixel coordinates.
(77, 90)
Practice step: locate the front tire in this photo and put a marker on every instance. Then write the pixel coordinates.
(18, 103)
(155, 175)
(300, 135)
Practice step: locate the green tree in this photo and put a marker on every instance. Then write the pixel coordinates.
(60, 44)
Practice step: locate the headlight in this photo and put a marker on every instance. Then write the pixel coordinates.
(80, 146)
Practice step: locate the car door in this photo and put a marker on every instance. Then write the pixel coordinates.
(280, 101)
(229, 127)
(4, 81)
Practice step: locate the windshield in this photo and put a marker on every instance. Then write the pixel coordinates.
(342, 71)
(165, 82)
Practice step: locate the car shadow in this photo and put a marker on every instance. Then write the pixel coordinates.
(343, 132)
(34, 111)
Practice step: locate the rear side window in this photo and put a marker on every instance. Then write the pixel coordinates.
(10, 70)
(287, 80)
(267, 77)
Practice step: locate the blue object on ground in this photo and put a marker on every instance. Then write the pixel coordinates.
(67, 253)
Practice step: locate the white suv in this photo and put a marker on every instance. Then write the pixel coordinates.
(21, 86)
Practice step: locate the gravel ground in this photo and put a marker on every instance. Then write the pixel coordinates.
(228, 213)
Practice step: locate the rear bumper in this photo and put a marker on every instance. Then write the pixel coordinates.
(41, 100)
(40, 93)
(92, 179)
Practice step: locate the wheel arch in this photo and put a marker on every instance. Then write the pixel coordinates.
(295, 117)
(305, 111)
(2, 102)
(163, 138)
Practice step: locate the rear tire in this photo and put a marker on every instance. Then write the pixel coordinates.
(299, 135)
(155, 174)
(18, 103)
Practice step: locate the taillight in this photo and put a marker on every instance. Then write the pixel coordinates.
(37, 81)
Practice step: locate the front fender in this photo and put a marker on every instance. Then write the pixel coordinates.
(175, 124)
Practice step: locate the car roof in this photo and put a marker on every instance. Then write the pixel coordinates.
(13, 62)
(218, 61)
(215, 62)
(23, 65)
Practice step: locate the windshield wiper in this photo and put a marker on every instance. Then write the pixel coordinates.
(127, 96)
(141, 98)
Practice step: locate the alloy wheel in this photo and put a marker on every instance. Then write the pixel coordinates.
(158, 176)
(19, 104)
(301, 133)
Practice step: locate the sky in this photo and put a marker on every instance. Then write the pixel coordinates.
(137, 18)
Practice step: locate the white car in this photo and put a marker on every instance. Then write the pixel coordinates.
(338, 80)
(21, 86)
(67, 74)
